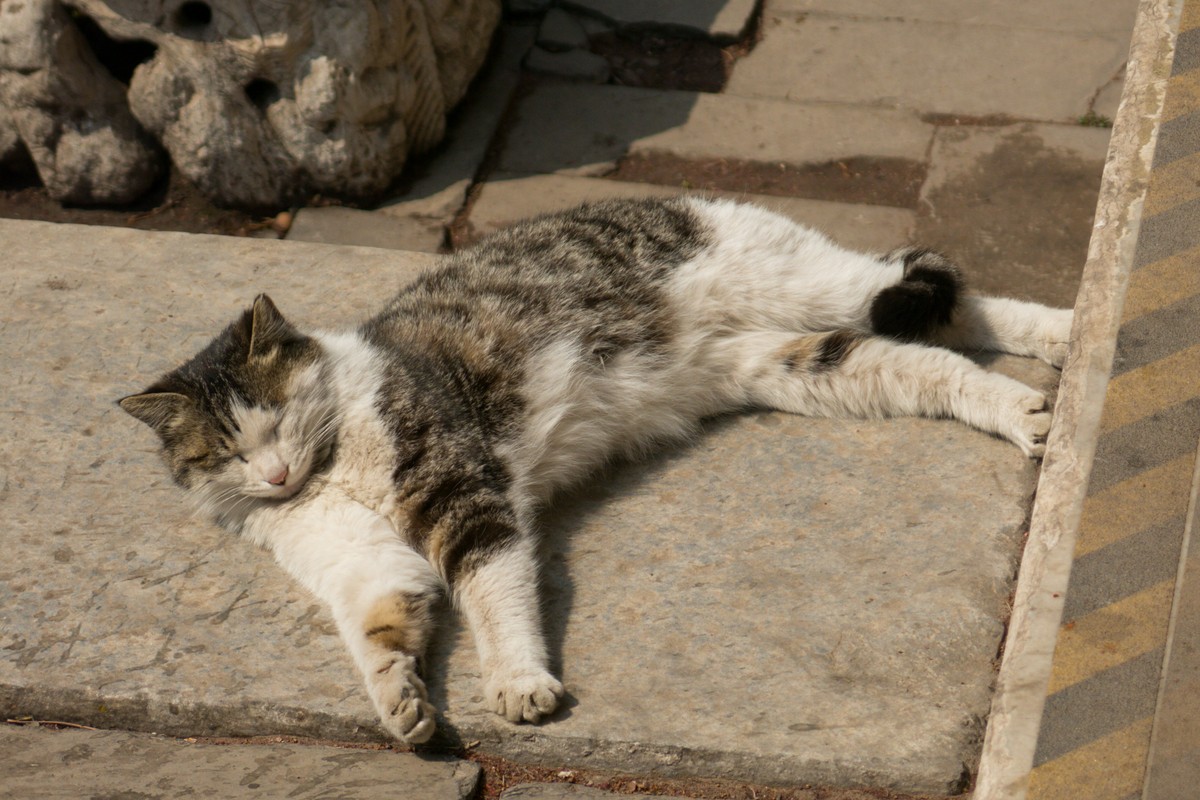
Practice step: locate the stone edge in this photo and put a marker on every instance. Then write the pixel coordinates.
(1012, 731)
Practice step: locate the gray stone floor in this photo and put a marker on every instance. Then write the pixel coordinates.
(43, 763)
(788, 601)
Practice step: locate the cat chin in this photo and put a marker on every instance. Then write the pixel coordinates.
(284, 492)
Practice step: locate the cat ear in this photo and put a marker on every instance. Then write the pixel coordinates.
(156, 409)
(268, 329)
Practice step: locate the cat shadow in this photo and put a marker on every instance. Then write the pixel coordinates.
(559, 526)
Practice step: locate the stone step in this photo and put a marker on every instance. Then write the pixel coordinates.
(594, 126)
(788, 601)
(506, 198)
(720, 19)
(352, 226)
(1077, 16)
(41, 762)
(1014, 205)
(920, 66)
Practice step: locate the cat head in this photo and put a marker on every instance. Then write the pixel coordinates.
(248, 418)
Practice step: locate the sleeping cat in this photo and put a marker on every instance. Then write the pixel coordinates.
(408, 457)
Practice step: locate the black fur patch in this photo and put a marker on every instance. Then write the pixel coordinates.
(924, 300)
(834, 349)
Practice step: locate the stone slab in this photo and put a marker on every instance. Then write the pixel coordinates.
(720, 19)
(555, 791)
(39, 762)
(1061, 15)
(789, 601)
(353, 226)
(594, 126)
(1014, 204)
(575, 65)
(1019, 72)
(506, 198)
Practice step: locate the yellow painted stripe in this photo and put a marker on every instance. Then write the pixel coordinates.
(1190, 17)
(1110, 768)
(1183, 97)
(1112, 635)
(1153, 387)
(1174, 183)
(1162, 283)
(1135, 504)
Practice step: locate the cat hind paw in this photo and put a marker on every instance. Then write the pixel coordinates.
(525, 697)
(1030, 424)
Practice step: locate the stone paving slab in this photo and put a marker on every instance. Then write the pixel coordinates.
(352, 226)
(1094, 16)
(898, 63)
(506, 198)
(720, 19)
(594, 126)
(37, 762)
(555, 791)
(1018, 199)
(789, 601)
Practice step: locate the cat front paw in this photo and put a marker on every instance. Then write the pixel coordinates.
(523, 697)
(400, 698)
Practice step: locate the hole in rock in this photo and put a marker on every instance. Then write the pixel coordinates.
(192, 16)
(119, 58)
(262, 93)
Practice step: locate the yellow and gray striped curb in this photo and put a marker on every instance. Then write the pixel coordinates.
(1099, 716)
(1113, 498)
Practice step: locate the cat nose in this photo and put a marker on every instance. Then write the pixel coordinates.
(279, 477)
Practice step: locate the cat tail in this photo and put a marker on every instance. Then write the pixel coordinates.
(923, 301)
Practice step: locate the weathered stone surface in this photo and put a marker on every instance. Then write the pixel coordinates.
(561, 31)
(1062, 15)
(37, 762)
(506, 198)
(919, 65)
(775, 604)
(338, 225)
(10, 143)
(721, 19)
(261, 103)
(595, 125)
(577, 65)
(152, 620)
(554, 791)
(69, 112)
(1014, 205)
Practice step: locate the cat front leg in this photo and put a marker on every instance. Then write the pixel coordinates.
(382, 595)
(498, 593)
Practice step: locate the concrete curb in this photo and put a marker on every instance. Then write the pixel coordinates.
(1012, 731)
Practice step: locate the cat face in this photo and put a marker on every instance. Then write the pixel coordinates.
(248, 418)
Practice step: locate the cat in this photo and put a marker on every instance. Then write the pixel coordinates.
(386, 465)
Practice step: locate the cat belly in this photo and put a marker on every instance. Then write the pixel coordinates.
(580, 414)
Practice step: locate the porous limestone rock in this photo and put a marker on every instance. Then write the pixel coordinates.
(68, 110)
(260, 103)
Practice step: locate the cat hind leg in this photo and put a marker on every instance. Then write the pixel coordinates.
(847, 374)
